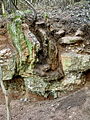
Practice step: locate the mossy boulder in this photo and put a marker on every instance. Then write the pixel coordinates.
(75, 62)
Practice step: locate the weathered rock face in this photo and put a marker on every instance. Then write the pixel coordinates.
(7, 54)
(25, 43)
(68, 46)
(49, 58)
(37, 85)
(32, 59)
(74, 65)
(75, 62)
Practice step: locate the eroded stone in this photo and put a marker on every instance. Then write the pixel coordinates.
(36, 84)
(7, 56)
(75, 62)
(79, 33)
(70, 39)
(59, 34)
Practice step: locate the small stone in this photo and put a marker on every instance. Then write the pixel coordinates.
(21, 99)
(79, 33)
(70, 39)
(40, 24)
(68, 107)
(52, 105)
(70, 117)
(52, 31)
(74, 113)
(60, 33)
(72, 79)
(25, 99)
(83, 45)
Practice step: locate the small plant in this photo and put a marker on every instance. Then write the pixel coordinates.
(45, 16)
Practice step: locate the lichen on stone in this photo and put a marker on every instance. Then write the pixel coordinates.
(24, 46)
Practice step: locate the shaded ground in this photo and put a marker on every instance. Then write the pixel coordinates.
(75, 106)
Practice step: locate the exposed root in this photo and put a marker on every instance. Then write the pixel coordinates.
(7, 99)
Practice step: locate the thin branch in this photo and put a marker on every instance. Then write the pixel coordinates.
(6, 95)
(14, 4)
(31, 6)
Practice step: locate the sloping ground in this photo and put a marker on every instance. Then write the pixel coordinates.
(75, 106)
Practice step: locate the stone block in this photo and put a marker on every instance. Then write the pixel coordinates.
(70, 40)
(75, 62)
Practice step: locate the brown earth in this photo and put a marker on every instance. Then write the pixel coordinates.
(75, 106)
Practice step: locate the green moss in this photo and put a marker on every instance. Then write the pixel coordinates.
(18, 38)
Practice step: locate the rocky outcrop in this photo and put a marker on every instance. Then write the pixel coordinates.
(7, 53)
(51, 56)
(75, 62)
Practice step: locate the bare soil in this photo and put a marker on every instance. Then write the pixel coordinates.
(75, 106)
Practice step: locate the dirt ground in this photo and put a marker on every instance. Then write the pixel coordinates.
(75, 106)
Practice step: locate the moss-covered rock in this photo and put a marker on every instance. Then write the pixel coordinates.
(37, 85)
(75, 62)
(25, 43)
(39, 56)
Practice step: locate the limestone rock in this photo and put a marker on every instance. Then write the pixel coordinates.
(69, 83)
(73, 79)
(75, 62)
(70, 39)
(59, 34)
(36, 84)
(40, 24)
(7, 56)
(39, 59)
(42, 85)
(7, 61)
(26, 45)
(79, 33)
